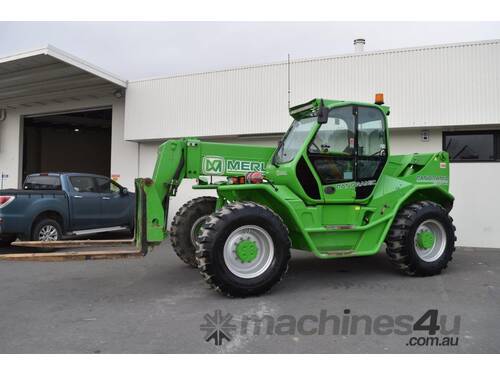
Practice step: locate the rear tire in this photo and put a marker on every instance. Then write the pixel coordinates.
(47, 230)
(244, 250)
(422, 239)
(186, 227)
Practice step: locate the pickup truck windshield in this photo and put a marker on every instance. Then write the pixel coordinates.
(42, 183)
(294, 139)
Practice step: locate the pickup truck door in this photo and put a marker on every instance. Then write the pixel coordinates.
(85, 203)
(115, 206)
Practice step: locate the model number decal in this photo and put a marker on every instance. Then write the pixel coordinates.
(438, 180)
(353, 185)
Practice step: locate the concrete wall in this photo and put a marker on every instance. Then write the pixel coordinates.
(407, 141)
(477, 203)
(10, 150)
(124, 155)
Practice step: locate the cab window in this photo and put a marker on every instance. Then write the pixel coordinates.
(108, 186)
(42, 183)
(332, 149)
(372, 149)
(83, 184)
(293, 140)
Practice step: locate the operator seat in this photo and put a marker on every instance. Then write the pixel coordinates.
(330, 167)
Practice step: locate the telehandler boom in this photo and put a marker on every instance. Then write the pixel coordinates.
(330, 187)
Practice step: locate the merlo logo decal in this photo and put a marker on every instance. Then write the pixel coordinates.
(217, 165)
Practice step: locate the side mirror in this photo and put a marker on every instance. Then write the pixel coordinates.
(323, 115)
(124, 191)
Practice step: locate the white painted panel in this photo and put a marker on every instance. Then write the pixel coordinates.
(430, 86)
(124, 154)
(408, 141)
(10, 149)
(476, 210)
(147, 158)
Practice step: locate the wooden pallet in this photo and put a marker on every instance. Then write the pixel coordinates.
(81, 254)
(73, 255)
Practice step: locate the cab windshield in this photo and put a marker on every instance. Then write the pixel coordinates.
(294, 139)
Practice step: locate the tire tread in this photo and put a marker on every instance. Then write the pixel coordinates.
(207, 238)
(176, 235)
(396, 249)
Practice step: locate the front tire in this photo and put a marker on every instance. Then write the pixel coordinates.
(422, 239)
(244, 250)
(186, 226)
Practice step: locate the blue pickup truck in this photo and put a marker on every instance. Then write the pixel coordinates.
(52, 206)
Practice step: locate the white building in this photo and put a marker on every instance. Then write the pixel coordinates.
(58, 112)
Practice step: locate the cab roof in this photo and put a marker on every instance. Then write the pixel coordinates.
(313, 106)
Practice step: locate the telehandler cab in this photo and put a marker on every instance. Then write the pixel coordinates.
(330, 187)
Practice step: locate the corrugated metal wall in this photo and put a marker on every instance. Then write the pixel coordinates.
(455, 84)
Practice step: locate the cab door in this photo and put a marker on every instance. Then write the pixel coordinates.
(349, 152)
(332, 155)
(372, 151)
(85, 203)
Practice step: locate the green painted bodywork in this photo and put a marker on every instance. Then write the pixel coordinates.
(334, 225)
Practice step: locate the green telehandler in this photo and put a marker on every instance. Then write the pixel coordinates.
(330, 187)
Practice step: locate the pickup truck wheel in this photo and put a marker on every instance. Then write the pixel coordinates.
(186, 227)
(47, 230)
(244, 249)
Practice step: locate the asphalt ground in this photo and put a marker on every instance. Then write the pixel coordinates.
(157, 304)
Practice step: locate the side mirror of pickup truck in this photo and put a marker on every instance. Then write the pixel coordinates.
(124, 191)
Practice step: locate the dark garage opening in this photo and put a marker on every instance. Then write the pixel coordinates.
(68, 142)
